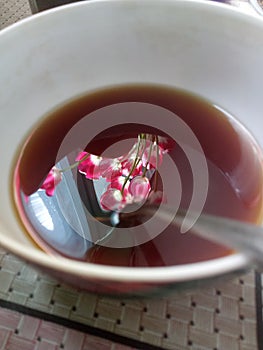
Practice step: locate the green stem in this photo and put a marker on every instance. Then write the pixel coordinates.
(157, 163)
(72, 166)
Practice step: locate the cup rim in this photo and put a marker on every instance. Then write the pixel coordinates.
(175, 273)
(256, 6)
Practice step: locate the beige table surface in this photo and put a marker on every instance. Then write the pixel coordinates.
(39, 313)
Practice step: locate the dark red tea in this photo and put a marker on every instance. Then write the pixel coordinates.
(234, 177)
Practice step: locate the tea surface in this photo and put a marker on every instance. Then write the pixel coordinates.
(59, 224)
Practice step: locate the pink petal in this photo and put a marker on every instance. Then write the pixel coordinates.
(166, 143)
(112, 200)
(89, 166)
(128, 164)
(110, 168)
(53, 178)
(118, 183)
(84, 164)
(81, 155)
(139, 188)
(152, 156)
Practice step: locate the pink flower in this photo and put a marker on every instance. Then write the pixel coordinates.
(120, 183)
(128, 176)
(117, 195)
(130, 168)
(112, 200)
(82, 159)
(89, 166)
(152, 156)
(139, 188)
(110, 168)
(52, 180)
(166, 143)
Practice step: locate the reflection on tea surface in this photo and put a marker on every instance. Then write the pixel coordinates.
(73, 209)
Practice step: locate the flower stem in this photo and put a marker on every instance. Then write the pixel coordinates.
(72, 166)
(149, 157)
(157, 163)
(135, 163)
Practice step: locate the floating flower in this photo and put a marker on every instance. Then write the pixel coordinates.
(52, 180)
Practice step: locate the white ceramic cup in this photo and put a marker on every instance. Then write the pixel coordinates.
(257, 5)
(208, 48)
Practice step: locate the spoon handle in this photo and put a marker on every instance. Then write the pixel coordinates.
(240, 236)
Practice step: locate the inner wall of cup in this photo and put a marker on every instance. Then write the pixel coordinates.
(207, 49)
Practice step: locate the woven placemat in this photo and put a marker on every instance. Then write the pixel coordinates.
(215, 318)
(24, 332)
(12, 11)
(39, 313)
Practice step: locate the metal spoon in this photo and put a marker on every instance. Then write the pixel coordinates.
(240, 236)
